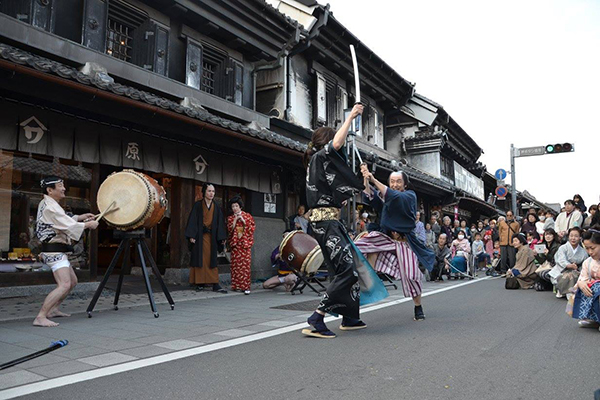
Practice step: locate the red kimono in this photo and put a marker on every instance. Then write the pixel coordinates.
(241, 239)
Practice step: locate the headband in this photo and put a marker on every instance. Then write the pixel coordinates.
(50, 181)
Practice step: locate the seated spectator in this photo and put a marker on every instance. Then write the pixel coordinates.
(552, 245)
(567, 263)
(529, 225)
(429, 236)
(568, 219)
(442, 257)
(494, 270)
(531, 241)
(524, 269)
(539, 225)
(460, 249)
(299, 221)
(579, 203)
(588, 221)
(549, 221)
(586, 306)
(479, 229)
(435, 226)
(420, 228)
(478, 251)
(285, 274)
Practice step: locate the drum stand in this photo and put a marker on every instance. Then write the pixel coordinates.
(138, 238)
(304, 281)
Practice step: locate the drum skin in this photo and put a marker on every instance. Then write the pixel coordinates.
(301, 251)
(140, 200)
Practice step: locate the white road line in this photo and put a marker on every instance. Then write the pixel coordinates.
(146, 362)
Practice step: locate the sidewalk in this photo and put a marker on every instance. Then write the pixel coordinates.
(113, 337)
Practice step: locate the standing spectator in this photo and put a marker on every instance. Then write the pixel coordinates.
(447, 229)
(524, 269)
(539, 225)
(480, 228)
(429, 236)
(362, 223)
(549, 222)
(529, 226)
(442, 257)
(456, 227)
(435, 226)
(465, 229)
(579, 203)
(489, 237)
(568, 260)
(507, 230)
(586, 307)
(207, 233)
(568, 219)
(420, 228)
(486, 223)
(588, 221)
(240, 227)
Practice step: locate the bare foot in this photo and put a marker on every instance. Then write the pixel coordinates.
(57, 313)
(45, 322)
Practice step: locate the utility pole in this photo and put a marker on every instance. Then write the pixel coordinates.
(513, 180)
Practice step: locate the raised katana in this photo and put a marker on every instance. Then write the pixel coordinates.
(357, 124)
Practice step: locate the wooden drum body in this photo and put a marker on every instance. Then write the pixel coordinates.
(302, 252)
(140, 202)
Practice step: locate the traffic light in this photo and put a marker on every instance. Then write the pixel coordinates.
(560, 148)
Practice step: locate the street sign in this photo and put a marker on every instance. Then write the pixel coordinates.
(501, 191)
(530, 151)
(500, 174)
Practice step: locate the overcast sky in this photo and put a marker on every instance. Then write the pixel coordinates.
(523, 72)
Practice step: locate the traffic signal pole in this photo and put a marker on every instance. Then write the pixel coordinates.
(513, 179)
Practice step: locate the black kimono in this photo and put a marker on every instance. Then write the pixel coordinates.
(195, 229)
(329, 182)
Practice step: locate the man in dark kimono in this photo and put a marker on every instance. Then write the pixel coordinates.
(206, 232)
(398, 209)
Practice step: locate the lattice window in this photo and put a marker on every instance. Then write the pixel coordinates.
(123, 19)
(214, 63)
(208, 77)
(447, 168)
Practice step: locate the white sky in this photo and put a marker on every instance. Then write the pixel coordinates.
(525, 72)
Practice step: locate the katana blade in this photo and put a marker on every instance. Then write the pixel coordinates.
(357, 125)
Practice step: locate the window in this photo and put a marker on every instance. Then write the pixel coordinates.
(447, 168)
(123, 20)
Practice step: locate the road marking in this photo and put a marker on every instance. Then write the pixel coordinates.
(146, 362)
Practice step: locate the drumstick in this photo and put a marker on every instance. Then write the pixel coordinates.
(105, 211)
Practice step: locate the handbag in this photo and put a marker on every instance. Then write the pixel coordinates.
(545, 266)
(511, 283)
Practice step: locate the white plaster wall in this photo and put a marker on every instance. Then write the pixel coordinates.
(428, 163)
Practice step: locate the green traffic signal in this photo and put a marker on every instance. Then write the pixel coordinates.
(560, 148)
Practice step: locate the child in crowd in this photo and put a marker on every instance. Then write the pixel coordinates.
(495, 260)
(531, 240)
(478, 251)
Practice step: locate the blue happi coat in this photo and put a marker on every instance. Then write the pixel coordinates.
(398, 214)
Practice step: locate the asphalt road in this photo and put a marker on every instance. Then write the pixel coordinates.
(479, 341)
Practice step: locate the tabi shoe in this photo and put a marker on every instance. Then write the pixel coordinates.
(217, 288)
(351, 324)
(419, 314)
(319, 330)
(199, 288)
(586, 323)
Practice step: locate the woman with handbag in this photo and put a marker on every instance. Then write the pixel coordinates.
(546, 260)
(586, 306)
(524, 269)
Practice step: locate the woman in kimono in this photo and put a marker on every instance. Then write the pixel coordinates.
(240, 227)
(461, 250)
(524, 269)
(568, 260)
(586, 306)
(329, 183)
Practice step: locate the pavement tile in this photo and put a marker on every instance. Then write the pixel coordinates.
(122, 334)
(46, 359)
(276, 324)
(209, 338)
(103, 360)
(14, 337)
(61, 369)
(258, 328)
(81, 351)
(234, 333)
(180, 344)
(110, 344)
(146, 351)
(17, 378)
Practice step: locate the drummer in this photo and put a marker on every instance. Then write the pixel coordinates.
(397, 206)
(330, 182)
(285, 274)
(55, 229)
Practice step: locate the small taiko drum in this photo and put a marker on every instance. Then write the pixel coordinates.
(139, 201)
(301, 252)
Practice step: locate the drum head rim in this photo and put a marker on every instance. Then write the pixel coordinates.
(286, 239)
(135, 222)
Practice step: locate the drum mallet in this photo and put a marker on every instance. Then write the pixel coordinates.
(107, 210)
(53, 346)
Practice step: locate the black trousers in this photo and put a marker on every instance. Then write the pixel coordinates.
(508, 255)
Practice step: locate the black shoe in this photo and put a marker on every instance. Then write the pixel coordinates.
(351, 324)
(419, 315)
(199, 288)
(217, 288)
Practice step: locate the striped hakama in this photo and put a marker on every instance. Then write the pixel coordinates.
(395, 258)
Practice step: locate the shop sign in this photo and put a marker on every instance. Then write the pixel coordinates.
(468, 182)
(33, 129)
(451, 209)
(133, 151)
(270, 203)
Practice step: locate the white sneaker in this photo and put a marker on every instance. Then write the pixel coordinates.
(246, 292)
(559, 295)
